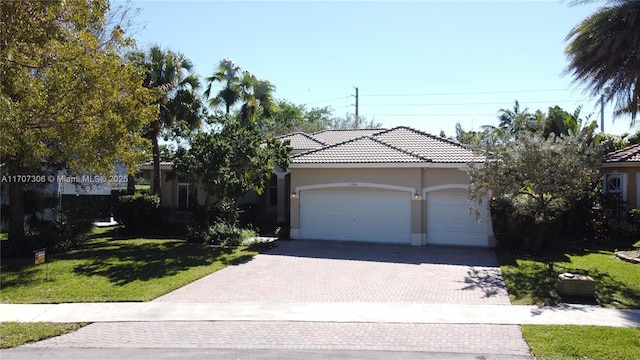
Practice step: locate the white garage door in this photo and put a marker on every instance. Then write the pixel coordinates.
(449, 221)
(376, 216)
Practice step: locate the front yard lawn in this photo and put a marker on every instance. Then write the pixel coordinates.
(109, 269)
(562, 342)
(532, 280)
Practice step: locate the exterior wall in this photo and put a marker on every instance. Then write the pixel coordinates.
(418, 180)
(438, 177)
(632, 185)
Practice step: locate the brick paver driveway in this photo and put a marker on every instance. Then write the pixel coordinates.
(309, 271)
(312, 271)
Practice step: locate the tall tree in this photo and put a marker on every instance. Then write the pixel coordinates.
(255, 94)
(603, 54)
(168, 73)
(67, 98)
(228, 73)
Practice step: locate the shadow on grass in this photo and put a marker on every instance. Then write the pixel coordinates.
(133, 262)
(533, 280)
(18, 275)
(123, 262)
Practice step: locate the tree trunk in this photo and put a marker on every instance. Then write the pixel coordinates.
(131, 184)
(538, 240)
(155, 132)
(206, 211)
(16, 204)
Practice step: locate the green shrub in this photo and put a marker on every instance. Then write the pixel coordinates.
(221, 233)
(54, 236)
(137, 213)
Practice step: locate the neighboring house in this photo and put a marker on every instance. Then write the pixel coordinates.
(621, 175)
(393, 186)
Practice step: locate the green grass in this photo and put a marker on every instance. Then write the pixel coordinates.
(107, 269)
(13, 334)
(533, 280)
(582, 342)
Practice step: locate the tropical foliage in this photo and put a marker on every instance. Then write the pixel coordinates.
(602, 52)
(539, 166)
(254, 94)
(179, 106)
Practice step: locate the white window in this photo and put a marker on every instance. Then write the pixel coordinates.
(187, 199)
(616, 184)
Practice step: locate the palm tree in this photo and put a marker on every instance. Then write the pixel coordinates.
(603, 52)
(227, 73)
(169, 74)
(255, 94)
(258, 99)
(513, 121)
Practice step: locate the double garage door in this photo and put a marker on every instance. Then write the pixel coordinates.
(385, 216)
(362, 215)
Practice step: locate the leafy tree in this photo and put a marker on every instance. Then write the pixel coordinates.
(67, 98)
(229, 163)
(603, 54)
(541, 175)
(350, 121)
(179, 107)
(559, 122)
(291, 118)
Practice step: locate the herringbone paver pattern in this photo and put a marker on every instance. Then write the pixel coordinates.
(300, 271)
(480, 339)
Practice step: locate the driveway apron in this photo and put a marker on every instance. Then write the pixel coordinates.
(335, 272)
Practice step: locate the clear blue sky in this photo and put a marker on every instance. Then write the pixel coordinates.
(423, 64)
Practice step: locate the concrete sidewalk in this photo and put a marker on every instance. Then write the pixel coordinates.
(410, 313)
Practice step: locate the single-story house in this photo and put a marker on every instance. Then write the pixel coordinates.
(621, 175)
(394, 186)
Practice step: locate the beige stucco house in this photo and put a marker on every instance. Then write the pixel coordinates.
(621, 175)
(393, 186)
(376, 185)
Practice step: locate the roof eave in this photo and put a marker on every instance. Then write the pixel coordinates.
(378, 165)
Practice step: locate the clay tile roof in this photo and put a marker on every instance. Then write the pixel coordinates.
(302, 141)
(331, 137)
(361, 150)
(439, 150)
(628, 154)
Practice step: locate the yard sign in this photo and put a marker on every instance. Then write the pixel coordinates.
(40, 256)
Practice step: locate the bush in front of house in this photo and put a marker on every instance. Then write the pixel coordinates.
(138, 213)
(221, 233)
(59, 236)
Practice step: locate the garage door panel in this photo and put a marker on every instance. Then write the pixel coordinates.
(379, 216)
(449, 220)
